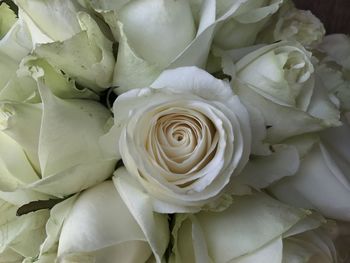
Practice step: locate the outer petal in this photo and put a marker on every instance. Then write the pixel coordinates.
(23, 234)
(240, 231)
(15, 168)
(13, 47)
(278, 117)
(22, 122)
(242, 29)
(87, 56)
(154, 226)
(58, 215)
(96, 213)
(163, 18)
(312, 246)
(261, 171)
(50, 20)
(194, 54)
(57, 81)
(7, 19)
(322, 183)
(74, 127)
(269, 253)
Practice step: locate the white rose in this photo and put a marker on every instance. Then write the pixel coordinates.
(97, 226)
(242, 28)
(50, 21)
(313, 246)
(295, 25)
(334, 67)
(17, 82)
(155, 35)
(69, 39)
(182, 139)
(21, 235)
(7, 19)
(250, 230)
(337, 47)
(278, 80)
(54, 145)
(322, 182)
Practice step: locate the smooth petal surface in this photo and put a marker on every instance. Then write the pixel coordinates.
(50, 21)
(278, 117)
(74, 127)
(270, 253)
(131, 66)
(312, 246)
(13, 47)
(107, 230)
(22, 122)
(7, 19)
(242, 29)
(321, 183)
(154, 226)
(24, 234)
(15, 168)
(261, 171)
(58, 215)
(172, 20)
(252, 224)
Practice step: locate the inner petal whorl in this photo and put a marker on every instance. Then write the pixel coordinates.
(181, 140)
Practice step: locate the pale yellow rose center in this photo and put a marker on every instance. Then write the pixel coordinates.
(182, 141)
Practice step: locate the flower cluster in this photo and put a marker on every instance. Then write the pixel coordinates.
(180, 131)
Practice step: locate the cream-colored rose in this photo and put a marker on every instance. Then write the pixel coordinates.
(52, 146)
(279, 81)
(322, 182)
(155, 35)
(250, 230)
(333, 69)
(182, 139)
(242, 28)
(294, 25)
(97, 226)
(21, 236)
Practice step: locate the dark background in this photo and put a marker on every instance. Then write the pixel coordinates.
(335, 14)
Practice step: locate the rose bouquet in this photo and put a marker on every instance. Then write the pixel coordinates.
(181, 131)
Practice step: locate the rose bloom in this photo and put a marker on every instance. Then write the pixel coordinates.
(322, 182)
(293, 24)
(182, 139)
(279, 81)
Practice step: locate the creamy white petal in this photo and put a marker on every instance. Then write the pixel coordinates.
(16, 170)
(106, 227)
(74, 127)
(50, 20)
(154, 226)
(86, 56)
(172, 20)
(22, 123)
(252, 224)
(7, 19)
(261, 171)
(321, 184)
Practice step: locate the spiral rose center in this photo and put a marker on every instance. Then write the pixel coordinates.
(182, 141)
